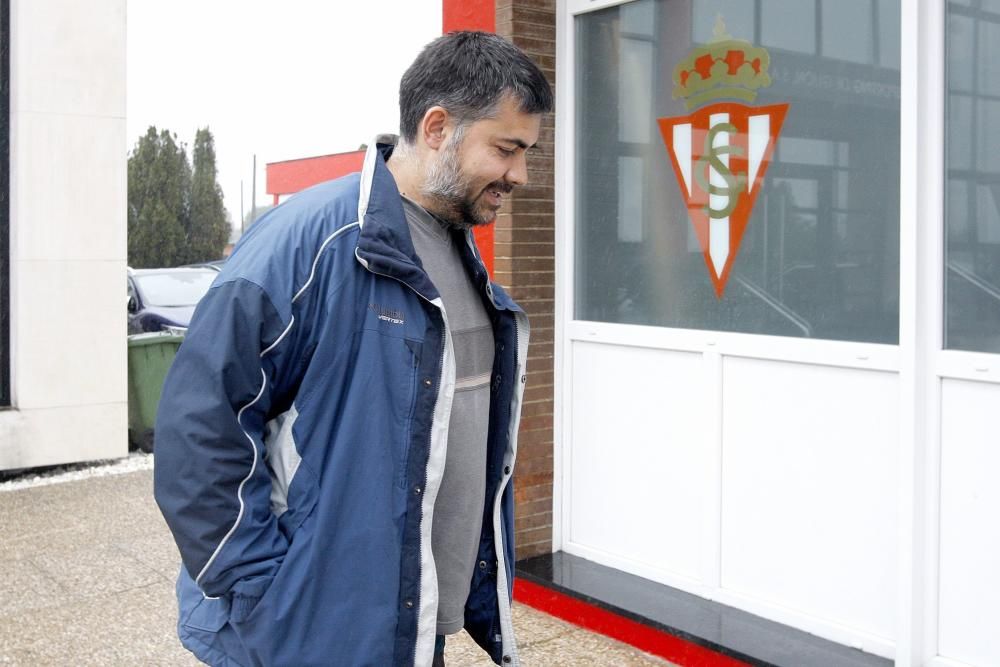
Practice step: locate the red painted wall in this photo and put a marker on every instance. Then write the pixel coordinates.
(469, 15)
(473, 15)
(290, 176)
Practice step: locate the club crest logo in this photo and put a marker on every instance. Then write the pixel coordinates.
(721, 151)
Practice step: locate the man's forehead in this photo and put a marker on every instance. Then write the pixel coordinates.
(511, 125)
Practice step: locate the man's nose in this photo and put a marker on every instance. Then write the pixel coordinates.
(518, 173)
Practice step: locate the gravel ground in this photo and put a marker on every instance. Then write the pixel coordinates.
(90, 569)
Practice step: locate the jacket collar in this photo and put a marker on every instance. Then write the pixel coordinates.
(384, 244)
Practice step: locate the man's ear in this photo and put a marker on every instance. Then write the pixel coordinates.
(434, 127)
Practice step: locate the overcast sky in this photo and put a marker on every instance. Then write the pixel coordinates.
(282, 80)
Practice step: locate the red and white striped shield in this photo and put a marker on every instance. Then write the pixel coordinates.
(720, 154)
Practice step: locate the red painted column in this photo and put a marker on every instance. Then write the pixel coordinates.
(473, 15)
(469, 15)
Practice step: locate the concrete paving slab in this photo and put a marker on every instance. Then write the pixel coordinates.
(545, 641)
(90, 568)
(134, 627)
(99, 569)
(158, 552)
(24, 587)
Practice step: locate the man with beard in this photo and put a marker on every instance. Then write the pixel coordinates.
(336, 436)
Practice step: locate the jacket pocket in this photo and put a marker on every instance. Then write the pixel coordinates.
(208, 614)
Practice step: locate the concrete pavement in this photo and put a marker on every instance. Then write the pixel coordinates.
(90, 567)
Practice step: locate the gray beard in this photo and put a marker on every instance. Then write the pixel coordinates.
(447, 188)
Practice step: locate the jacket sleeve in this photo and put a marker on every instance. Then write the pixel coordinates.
(210, 478)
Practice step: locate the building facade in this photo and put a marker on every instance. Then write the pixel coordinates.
(760, 250)
(62, 346)
(777, 297)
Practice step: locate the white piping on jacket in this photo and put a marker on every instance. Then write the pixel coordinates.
(279, 339)
(239, 491)
(312, 271)
(427, 618)
(503, 599)
(263, 386)
(367, 175)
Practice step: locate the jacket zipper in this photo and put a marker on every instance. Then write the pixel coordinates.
(503, 601)
(444, 343)
(510, 654)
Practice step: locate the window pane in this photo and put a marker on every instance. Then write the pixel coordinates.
(738, 16)
(818, 256)
(847, 30)
(987, 137)
(972, 212)
(785, 24)
(888, 33)
(960, 131)
(961, 70)
(634, 98)
(988, 60)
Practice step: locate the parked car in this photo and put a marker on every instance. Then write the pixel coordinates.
(215, 264)
(164, 299)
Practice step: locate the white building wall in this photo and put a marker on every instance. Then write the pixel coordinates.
(68, 227)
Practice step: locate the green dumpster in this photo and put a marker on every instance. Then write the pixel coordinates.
(149, 358)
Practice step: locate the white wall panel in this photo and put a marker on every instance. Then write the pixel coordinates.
(68, 234)
(809, 500)
(70, 333)
(969, 621)
(69, 57)
(637, 455)
(49, 436)
(69, 188)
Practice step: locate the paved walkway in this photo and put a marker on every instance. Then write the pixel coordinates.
(89, 568)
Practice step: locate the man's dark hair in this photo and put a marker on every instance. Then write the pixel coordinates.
(468, 73)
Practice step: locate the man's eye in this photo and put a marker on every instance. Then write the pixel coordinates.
(507, 152)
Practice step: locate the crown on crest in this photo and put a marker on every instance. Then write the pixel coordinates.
(724, 67)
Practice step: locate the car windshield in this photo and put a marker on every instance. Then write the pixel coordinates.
(175, 288)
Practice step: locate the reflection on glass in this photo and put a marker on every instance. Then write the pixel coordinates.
(634, 91)
(888, 33)
(988, 57)
(960, 145)
(819, 256)
(738, 15)
(847, 30)
(787, 24)
(960, 49)
(637, 19)
(972, 215)
(987, 137)
(630, 171)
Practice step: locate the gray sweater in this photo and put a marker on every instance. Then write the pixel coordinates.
(458, 512)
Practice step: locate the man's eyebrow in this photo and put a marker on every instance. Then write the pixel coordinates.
(518, 143)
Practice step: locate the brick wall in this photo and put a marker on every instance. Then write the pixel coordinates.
(524, 261)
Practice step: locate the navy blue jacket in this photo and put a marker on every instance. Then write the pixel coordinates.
(301, 438)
